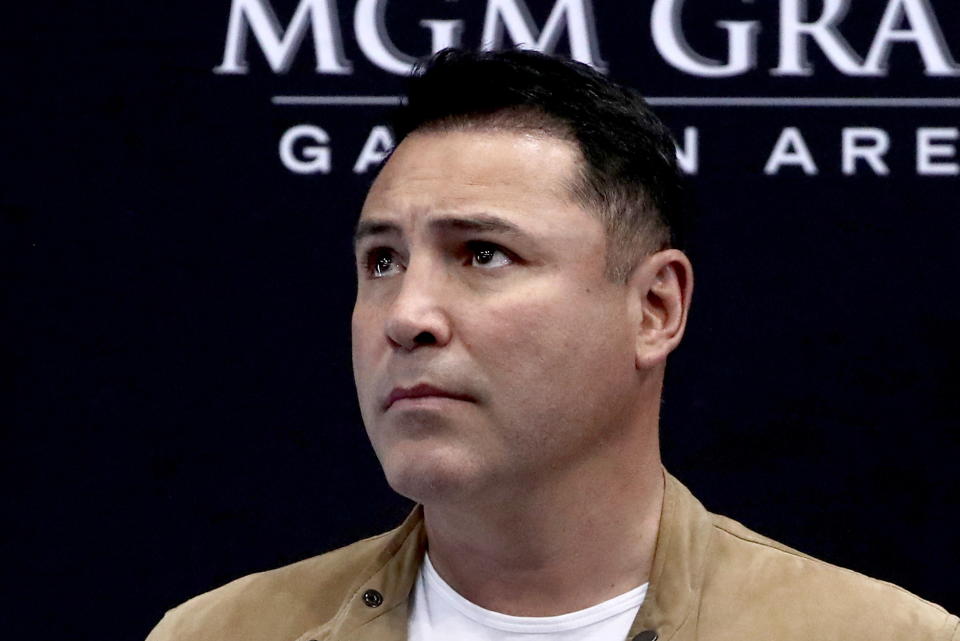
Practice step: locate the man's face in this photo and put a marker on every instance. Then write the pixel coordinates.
(489, 349)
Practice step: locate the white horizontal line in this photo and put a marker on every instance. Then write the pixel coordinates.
(759, 101)
(337, 100)
(669, 101)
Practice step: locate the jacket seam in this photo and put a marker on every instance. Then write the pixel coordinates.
(954, 634)
(800, 555)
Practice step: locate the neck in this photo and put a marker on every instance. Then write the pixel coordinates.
(558, 546)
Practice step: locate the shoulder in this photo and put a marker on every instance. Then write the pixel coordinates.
(757, 580)
(279, 603)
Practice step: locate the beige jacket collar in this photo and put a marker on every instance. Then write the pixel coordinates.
(674, 586)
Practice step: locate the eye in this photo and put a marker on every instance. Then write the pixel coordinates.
(382, 261)
(488, 255)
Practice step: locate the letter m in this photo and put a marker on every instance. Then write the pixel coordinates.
(280, 45)
(514, 17)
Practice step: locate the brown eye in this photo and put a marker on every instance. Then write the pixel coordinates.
(484, 256)
(488, 255)
(382, 262)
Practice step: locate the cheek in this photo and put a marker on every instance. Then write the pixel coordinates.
(366, 328)
(552, 343)
(357, 333)
(556, 371)
(364, 340)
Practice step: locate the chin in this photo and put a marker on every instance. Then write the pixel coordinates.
(429, 477)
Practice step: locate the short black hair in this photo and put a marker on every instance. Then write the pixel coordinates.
(629, 175)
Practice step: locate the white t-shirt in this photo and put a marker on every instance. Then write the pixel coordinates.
(438, 613)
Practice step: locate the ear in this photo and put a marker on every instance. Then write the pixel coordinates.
(662, 285)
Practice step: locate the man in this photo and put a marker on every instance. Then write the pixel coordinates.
(520, 288)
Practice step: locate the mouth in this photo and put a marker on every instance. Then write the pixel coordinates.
(422, 390)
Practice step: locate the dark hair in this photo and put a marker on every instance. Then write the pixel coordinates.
(629, 176)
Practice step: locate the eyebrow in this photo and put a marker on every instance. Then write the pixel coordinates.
(485, 223)
(367, 228)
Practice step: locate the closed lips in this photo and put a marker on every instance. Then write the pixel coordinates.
(422, 390)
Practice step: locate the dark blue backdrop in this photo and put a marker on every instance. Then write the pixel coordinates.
(177, 299)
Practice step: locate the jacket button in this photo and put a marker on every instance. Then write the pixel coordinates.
(372, 599)
(646, 635)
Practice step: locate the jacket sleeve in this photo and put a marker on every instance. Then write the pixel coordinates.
(169, 628)
(160, 632)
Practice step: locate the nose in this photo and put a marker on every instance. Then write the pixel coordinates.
(417, 316)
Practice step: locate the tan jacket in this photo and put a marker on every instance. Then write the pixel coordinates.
(712, 580)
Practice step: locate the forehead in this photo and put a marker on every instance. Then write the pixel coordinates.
(508, 173)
